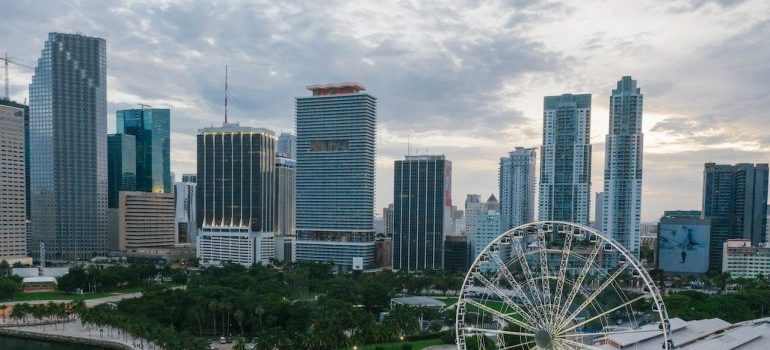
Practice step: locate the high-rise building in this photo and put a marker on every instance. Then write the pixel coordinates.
(10, 103)
(473, 208)
(185, 223)
(68, 147)
(235, 195)
(683, 244)
(121, 166)
(336, 150)
(623, 166)
(13, 214)
(152, 129)
(287, 145)
(422, 204)
(565, 167)
(285, 174)
(190, 178)
(457, 254)
(486, 230)
(598, 210)
(517, 188)
(146, 221)
(387, 218)
(735, 198)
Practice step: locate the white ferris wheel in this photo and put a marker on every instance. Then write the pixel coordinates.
(555, 286)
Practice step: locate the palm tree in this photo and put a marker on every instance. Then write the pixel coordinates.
(259, 311)
(239, 318)
(213, 306)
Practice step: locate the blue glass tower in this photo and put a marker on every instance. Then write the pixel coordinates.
(68, 147)
(121, 166)
(152, 129)
(336, 136)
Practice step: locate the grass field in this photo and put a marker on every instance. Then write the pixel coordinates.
(416, 345)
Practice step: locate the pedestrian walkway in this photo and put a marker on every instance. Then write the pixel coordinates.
(75, 329)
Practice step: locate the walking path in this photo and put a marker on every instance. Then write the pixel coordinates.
(74, 329)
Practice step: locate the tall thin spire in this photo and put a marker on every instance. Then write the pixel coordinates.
(225, 94)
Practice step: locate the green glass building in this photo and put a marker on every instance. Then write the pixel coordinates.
(152, 129)
(121, 166)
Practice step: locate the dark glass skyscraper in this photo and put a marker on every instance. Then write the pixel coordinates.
(422, 203)
(121, 166)
(152, 129)
(735, 199)
(336, 141)
(68, 147)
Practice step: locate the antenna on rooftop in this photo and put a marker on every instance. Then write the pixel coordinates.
(225, 94)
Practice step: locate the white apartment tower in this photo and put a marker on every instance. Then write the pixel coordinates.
(622, 205)
(565, 167)
(517, 188)
(13, 219)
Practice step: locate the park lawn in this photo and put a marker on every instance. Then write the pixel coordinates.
(416, 344)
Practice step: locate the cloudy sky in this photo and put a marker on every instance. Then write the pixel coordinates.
(462, 78)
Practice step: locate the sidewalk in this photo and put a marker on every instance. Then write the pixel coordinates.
(74, 329)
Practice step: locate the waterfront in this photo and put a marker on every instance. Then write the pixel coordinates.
(10, 343)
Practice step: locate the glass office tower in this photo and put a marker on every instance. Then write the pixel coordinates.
(336, 136)
(68, 147)
(152, 129)
(422, 204)
(121, 166)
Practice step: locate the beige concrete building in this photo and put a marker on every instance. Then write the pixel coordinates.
(145, 220)
(13, 219)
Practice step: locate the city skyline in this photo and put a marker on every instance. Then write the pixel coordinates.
(717, 110)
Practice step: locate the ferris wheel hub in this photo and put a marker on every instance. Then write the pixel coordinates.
(543, 339)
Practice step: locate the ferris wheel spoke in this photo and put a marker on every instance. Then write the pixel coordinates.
(542, 237)
(579, 280)
(500, 331)
(507, 300)
(579, 344)
(516, 286)
(563, 267)
(531, 280)
(502, 315)
(603, 314)
(596, 293)
(635, 331)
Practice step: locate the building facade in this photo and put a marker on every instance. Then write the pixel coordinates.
(683, 244)
(285, 216)
(235, 195)
(473, 208)
(152, 129)
(422, 204)
(486, 230)
(735, 199)
(517, 188)
(457, 254)
(146, 221)
(741, 259)
(598, 210)
(287, 145)
(121, 166)
(185, 221)
(10, 103)
(336, 150)
(565, 166)
(623, 166)
(13, 213)
(68, 147)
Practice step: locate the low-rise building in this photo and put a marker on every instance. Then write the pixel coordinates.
(741, 259)
(457, 254)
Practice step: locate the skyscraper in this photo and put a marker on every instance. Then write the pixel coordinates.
(287, 145)
(565, 167)
(13, 218)
(285, 213)
(152, 129)
(422, 204)
(735, 198)
(121, 166)
(517, 188)
(473, 208)
(10, 103)
(185, 222)
(145, 220)
(235, 195)
(68, 147)
(336, 150)
(190, 178)
(623, 166)
(598, 210)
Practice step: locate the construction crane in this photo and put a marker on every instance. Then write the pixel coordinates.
(7, 61)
